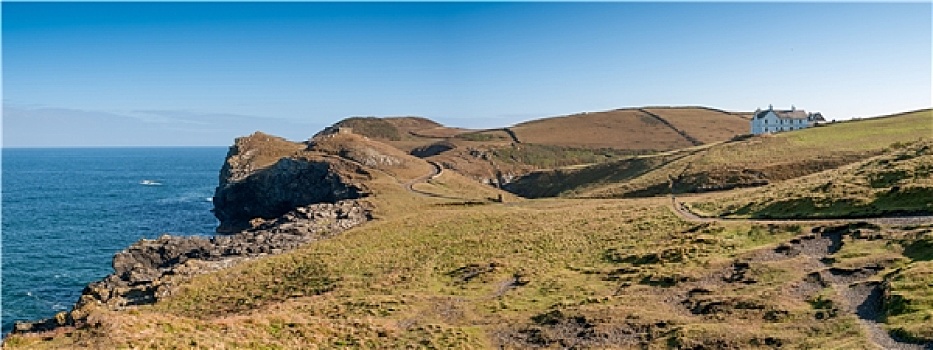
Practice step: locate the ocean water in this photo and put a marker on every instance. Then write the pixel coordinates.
(67, 211)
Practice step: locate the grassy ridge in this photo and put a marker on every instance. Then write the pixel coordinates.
(899, 182)
(542, 272)
(434, 272)
(546, 143)
(704, 124)
(548, 156)
(768, 158)
(373, 127)
(568, 182)
(632, 129)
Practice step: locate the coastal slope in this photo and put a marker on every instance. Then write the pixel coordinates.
(426, 256)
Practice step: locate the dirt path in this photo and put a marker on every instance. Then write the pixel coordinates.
(865, 299)
(858, 292)
(436, 171)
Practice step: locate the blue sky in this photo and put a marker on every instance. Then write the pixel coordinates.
(142, 74)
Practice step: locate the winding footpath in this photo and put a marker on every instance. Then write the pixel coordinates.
(436, 171)
(861, 297)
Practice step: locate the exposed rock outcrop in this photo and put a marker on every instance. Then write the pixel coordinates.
(275, 195)
(151, 269)
(265, 177)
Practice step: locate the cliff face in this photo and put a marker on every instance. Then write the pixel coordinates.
(274, 195)
(149, 269)
(264, 177)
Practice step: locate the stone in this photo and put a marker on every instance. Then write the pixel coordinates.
(271, 210)
(250, 192)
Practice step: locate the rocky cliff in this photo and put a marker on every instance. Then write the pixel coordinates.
(265, 176)
(273, 195)
(151, 269)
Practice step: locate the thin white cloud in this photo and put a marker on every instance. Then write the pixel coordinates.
(42, 126)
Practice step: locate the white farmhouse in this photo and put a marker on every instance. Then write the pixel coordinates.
(770, 120)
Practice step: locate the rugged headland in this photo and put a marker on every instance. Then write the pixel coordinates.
(667, 229)
(302, 196)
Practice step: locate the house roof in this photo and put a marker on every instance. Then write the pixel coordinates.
(785, 114)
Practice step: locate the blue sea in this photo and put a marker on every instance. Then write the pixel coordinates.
(67, 211)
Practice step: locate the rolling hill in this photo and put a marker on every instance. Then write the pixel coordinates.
(448, 262)
(754, 161)
(497, 156)
(898, 182)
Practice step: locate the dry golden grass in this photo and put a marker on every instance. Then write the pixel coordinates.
(434, 272)
(268, 148)
(372, 154)
(431, 274)
(705, 125)
(440, 132)
(553, 142)
(625, 129)
(453, 185)
(898, 182)
(771, 158)
(633, 129)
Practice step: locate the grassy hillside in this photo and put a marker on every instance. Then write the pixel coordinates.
(546, 273)
(569, 181)
(449, 267)
(763, 159)
(633, 129)
(498, 155)
(898, 182)
(637, 130)
(704, 124)
(396, 129)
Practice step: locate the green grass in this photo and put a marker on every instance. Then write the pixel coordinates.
(866, 134)
(399, 282)
(567, 182)
(437, 273)
(770, 158)
(897, 182)
(252, 286)
(909, 302)
(551, 156)
(483, 136)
